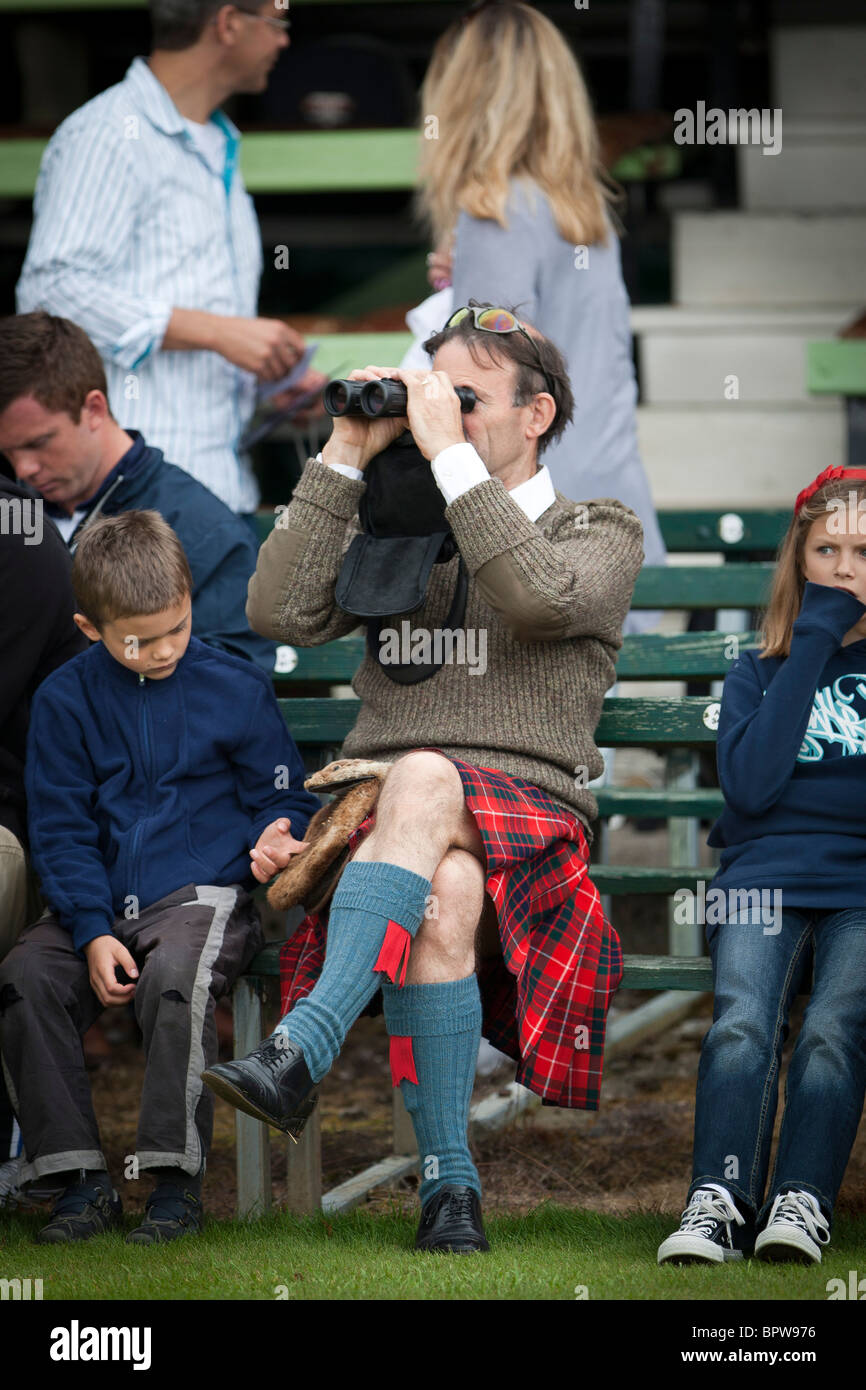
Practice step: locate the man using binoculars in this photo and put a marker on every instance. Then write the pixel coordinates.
(466, 896)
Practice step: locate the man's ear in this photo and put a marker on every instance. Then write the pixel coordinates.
(87, 627)
(542, 416)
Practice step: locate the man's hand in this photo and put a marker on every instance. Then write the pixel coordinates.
(268, 347)
(309, 382)
(103, 954)
(355, 439)
(274, 848)
(434, 414)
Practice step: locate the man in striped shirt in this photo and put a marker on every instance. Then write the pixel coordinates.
(144, 235)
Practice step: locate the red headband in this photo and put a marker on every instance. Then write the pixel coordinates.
(828, 476)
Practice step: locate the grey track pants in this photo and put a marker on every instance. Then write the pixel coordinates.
(190, 948)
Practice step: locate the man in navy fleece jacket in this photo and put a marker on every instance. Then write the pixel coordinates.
(161, 780)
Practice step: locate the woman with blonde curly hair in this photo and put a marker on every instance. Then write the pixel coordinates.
(519, 205)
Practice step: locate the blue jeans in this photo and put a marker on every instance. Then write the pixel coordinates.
(756, 975)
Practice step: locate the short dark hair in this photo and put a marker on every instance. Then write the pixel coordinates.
(129, 566)
(513, 347)
(178, 24)
(50, 359)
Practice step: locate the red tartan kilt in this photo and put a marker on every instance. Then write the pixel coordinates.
(545, 1000)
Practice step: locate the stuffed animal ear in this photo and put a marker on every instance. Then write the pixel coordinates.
(327, 834)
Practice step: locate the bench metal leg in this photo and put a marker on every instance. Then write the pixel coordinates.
(253, 1145)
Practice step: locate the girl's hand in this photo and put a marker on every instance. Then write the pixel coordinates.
(274, 848)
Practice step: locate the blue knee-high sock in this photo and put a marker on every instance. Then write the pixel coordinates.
(374, 907)
(443, 1022)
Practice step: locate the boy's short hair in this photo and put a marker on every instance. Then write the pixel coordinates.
(129, 566)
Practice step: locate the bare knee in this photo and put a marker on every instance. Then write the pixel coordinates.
(447, 932)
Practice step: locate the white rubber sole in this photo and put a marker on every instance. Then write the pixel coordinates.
(687, 1249)
(783, 1242)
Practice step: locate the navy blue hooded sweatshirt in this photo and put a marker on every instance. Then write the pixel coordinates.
(137, 787)
(790, 752)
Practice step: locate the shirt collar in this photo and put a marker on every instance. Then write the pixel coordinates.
(535, 495)
(158, 106)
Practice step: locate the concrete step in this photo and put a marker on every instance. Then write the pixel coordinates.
(690, 355)
(704, 456)
(782, 258)
(821, 166)
(819, 70)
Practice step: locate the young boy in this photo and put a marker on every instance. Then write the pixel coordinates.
(161, 779)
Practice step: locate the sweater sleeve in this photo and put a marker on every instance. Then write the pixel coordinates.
(291, 594)
(760, 734)
(64, 836)
(270, 772)
(577, 584)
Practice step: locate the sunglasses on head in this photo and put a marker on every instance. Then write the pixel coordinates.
(499, 321)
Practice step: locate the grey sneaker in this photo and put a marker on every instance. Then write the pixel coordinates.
(705, 1235)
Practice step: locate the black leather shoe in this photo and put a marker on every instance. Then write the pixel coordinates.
(272, 1084)
(451, 1221)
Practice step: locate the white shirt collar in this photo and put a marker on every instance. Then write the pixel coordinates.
(535, 495)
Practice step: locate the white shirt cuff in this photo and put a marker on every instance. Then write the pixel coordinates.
(457, 469)
(345, 468)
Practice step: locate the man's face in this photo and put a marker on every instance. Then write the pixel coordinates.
(496, 427)
(151, 644)
(260, 41)
(50, 452)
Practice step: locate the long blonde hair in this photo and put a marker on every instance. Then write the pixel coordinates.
(509, 101)
(789, 581)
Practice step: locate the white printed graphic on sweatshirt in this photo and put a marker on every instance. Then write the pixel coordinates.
(834, 720)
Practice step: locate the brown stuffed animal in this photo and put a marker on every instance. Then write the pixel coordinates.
(311, 877)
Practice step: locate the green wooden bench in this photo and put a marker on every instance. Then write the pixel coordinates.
(322, 724)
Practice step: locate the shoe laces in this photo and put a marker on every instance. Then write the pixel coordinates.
(800, 1209)
(708, 1206)
(461, 1205)
(273, 1053)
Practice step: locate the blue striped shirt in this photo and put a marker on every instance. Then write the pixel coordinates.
(132, 220)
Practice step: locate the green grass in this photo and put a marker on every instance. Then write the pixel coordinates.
(366, 1255)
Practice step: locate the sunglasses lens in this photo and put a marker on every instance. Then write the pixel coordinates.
(497, 321)
(457, 317)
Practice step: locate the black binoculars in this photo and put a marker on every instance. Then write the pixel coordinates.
(377, 399)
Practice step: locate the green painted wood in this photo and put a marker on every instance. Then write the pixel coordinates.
(700, 531)
(837, 367)
(334, 663)
(314, 161)
(620, 879)
(667, 972)
(641, 972)
(703, 586)
(657, 722)
(681, 655)
(647, 722)
(704, 802)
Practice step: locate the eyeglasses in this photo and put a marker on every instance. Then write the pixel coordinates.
(282, 26)
(499, 321)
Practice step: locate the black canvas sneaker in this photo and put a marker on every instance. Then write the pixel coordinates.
(705, 1235)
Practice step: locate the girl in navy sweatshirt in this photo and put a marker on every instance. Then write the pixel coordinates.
(789, 899)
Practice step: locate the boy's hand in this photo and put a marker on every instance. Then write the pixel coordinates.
(103, 954)
(274, 849)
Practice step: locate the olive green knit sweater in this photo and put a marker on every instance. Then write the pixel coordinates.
(548, 598)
